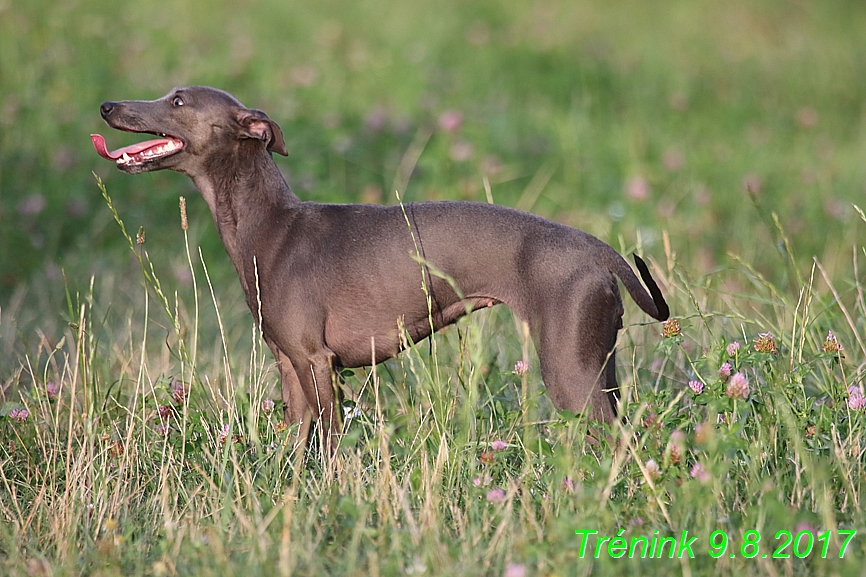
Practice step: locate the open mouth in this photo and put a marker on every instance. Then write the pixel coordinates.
(138, 154)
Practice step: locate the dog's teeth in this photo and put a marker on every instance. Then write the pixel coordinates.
(125, 158)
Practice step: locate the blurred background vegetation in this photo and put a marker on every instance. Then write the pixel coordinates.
(724, 140)
(629, 119)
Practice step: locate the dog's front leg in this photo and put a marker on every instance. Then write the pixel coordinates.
(315, 375)
(295, 406)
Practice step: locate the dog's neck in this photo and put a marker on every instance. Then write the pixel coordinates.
(244, 186)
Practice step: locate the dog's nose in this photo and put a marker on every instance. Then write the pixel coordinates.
(106, 108)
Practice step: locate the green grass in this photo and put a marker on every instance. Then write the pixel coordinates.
(723, 141)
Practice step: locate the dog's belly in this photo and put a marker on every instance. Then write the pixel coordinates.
(359, 344)
(361, 340)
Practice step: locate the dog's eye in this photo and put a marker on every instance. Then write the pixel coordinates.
(177, 101)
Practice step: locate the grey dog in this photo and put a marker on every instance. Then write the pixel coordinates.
(328, 283)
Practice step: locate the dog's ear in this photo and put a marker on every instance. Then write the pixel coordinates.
(256, 124)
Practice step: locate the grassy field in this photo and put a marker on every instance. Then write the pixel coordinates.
(723, 141)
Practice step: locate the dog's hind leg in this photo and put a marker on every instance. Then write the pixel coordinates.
(575, 344)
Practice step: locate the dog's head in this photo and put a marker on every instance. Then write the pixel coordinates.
(193, 124)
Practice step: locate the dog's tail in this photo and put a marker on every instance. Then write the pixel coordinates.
(652, 303)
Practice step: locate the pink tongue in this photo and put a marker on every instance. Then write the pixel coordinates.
(99, 145)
